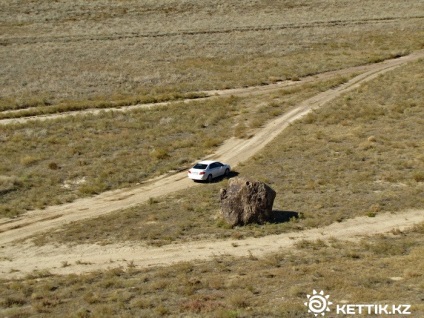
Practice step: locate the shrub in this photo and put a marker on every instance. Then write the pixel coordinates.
(53, 166)
(419, 176)
(13, 301)
(8, 184)
(159, 153)
(29, 160)
(92, 188)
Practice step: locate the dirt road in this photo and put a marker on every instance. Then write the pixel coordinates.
(245, 91)
(19, 261)
(233, 151)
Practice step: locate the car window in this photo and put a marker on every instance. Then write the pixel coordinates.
(200, 166)
(218, 164)
(212, 165)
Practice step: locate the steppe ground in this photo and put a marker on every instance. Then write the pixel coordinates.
(360, 155)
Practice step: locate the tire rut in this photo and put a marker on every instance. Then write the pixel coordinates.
(242, 29)
(91, 257)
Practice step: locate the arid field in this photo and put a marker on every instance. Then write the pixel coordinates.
(200, 75)
(82, 52)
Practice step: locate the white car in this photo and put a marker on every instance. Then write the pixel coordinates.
(208, 170)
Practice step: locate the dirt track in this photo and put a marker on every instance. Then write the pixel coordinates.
(86, 258)
(233, 151)
(241, 92)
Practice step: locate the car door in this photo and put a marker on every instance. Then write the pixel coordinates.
(220, 169)
(214, 169)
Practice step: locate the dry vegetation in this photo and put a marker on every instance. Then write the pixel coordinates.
(363, 150)
(360, 155)
(68, 55)
(56, 161)
(386, 269)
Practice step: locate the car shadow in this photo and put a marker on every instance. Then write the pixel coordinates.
(284, 216)
(232, 174)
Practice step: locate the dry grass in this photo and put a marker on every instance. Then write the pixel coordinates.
(44, 107)
(65, 56)
(386, 269)
(360, 155)
(59, 160)
(72, 55)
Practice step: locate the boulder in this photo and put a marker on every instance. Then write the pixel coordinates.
(245, 201)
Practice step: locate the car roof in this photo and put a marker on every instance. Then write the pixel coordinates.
(207, 162)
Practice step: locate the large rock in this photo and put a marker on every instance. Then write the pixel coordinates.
(246, 201)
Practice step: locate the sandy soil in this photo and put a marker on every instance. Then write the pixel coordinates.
(17, 261)
(23, 256)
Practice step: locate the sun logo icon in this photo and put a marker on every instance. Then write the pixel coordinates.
(318, 303)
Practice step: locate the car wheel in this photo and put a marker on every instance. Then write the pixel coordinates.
(227, 172)
(209, 178)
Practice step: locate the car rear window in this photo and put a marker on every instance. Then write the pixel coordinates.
(200, 166)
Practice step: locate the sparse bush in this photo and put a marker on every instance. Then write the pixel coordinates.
(53, 166)
(159, 154)
(95, 187)
(153, 201)
(9, 183)
(65, 264)
(13, 301)
(162, 310)
(240, 131)
(92, 298)
(83, 313)
(142, 303)
(239, 299)
(212, 142)
(46, 305)
(419, 176)
(315, 245)
(29, 160)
